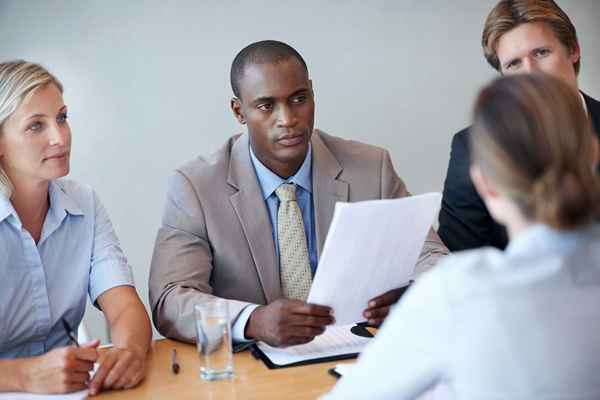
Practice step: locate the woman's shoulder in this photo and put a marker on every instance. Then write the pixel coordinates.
(466, 273)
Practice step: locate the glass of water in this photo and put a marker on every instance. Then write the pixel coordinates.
(213, 332)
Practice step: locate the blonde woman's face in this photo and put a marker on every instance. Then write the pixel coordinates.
(35, 142)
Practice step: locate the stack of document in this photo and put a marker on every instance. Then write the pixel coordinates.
(371, 247)
(335, 342)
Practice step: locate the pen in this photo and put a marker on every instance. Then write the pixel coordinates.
(174, 363)
(69, 332)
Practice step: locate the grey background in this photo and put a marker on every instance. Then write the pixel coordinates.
(147, 84)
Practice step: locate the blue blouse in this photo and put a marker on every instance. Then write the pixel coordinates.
(78, 253)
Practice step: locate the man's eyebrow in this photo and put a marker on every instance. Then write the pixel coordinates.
(264, 99)
(299, 91)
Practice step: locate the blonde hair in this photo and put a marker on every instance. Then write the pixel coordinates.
(532, 137)
(508, 14)
(18, 81)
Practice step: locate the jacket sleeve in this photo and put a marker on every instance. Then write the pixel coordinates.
(393, 187)
(182, 263)
(465, 222)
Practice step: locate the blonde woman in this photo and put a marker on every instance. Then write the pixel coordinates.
(56, 245)
(518, 324)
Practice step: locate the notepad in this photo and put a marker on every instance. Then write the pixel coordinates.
(336, 343)
(82, 394)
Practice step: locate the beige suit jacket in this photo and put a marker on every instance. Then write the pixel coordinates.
(216, 236)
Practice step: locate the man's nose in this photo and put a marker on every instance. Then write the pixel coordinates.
(530, 65)
(286, 116)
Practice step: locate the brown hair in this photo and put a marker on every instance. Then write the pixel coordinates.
(508, 14)
(532, 137)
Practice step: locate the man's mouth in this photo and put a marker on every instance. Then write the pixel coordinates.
(291, 140)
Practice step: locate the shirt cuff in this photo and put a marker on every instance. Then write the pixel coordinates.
(238, 328)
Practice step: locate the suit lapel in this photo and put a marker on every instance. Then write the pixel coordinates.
(251, 210)
(327, 189)
(593, 107)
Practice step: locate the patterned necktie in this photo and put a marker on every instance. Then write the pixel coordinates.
(294, 262)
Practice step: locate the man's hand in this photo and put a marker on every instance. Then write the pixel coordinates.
(119, 369)
(287, 322)
(379, 306)
(61, 370)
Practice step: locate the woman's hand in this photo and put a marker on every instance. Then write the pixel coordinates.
(61, 370)
(120, 368)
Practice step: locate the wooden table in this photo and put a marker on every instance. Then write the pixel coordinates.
(253, 380)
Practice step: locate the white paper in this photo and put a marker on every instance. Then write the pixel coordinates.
(371, 247)
(336, 340)
(82, 394)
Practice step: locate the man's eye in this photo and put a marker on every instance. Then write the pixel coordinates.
(542, 52)
(513, 65)
(299, 99)
(35, 127)
(265, 107)
(62, 118)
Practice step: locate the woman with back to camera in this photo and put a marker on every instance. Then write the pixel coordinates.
(518, 324)
(56, 245)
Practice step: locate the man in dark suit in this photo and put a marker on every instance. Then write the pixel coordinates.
(520, 36)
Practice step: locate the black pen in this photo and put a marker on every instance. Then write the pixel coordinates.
(174, 363)
(69, 332)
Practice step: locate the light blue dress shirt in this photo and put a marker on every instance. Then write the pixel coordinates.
(78, 253)
(270, 181)
(519, 324)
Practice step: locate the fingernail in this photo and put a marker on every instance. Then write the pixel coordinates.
(371, 304)
(331, 312)
(368, 314)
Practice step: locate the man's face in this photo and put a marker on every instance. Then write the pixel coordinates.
(277, 103)
(533, 47)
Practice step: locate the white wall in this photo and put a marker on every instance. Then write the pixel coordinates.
(147, 83)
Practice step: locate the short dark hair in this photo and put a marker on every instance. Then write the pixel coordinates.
(263, 52)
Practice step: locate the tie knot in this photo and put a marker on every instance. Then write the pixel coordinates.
(286, 192)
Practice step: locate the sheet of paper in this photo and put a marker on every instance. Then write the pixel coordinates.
(82, 394)
(371, 247)
(336, 340)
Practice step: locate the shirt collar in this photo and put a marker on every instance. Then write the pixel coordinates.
(583, 102)
(61, 201)
(60, 204)
(542, 240)
(6, 207)
(269, 181)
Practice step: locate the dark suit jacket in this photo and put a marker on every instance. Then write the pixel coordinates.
(465, 222)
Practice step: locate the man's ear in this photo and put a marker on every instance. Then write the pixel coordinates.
(483, 186)
(238, 112)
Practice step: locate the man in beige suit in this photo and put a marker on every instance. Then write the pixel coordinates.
(225, 231)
